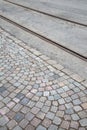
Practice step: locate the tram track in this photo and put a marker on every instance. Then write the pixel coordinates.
(74, 53)
(47, 14)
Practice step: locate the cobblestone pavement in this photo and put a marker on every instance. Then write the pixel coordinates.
(36, 93)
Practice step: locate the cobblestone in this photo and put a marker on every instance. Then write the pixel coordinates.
(45, 109)
(11, 124)
(40, 128)
(83, 122)
(29, 116)
(65, 125)
(17, 128)
(60, 113)
(18, 117)
(36, 93)
(41, 115)
(24, 101)
(35, 122)
(57, 120)
(30, 127)
(75, 117)
(3, 120)
(46, 122)
(74, 124)
(23, 123)
(53, 127)
(50, 115)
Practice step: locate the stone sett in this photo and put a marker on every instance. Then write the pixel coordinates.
(65, 125)
(57, 120)
(29, 116)
(50, 115)
(35, 122)
(46, 122)
(36, 93)
(11, 124)
(35, 110)
(74, 124)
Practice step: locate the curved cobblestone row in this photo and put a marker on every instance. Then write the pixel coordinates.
(36, 92)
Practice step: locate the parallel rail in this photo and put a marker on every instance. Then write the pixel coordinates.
(48, 14)
(45, 38)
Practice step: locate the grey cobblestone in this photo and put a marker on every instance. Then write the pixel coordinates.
(18, 117)
(36, 93)
(3, 120)
(53, 127)
(83, 122)
(50, 115)
(29, 116)
(57, 120)
(17, 128)
(45, 109)
(40, 128)
(24, 101)
(12, 124)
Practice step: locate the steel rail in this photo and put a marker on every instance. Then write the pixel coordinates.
(45, 38)
(48, 14)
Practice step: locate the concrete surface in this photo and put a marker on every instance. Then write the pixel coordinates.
(67, 9)
(65, 33)
(67, 60)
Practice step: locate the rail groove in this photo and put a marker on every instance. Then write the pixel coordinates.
(45, 38)
(48, 14)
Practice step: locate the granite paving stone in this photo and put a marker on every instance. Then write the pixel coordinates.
(1, 104)
(84, 105)
(24, 123)
(75, 117)
(11, 124)
(53, 127)
(35, 122)
(45, 109)
(4, 120)
(40, 128)
(53, 109)
(46, 122)
(3, 128)
(17, 128)
(60, 113)
(67, 117)
(57, 120)
(18, 117)
(29, 116)
(40, 115)
(74, 125)
(69, 111)
(11, 114)
(83, 122)
(24, 101)
(39, 104)
(30, 127)
(20, 96)
(35, 110)
(76, 102)
(2, 89)
(50, 115)
(4, 110)
(36, 92)
(65, 125)
(61, 101)
(82, 114)
(77, 108)
(17, 107)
